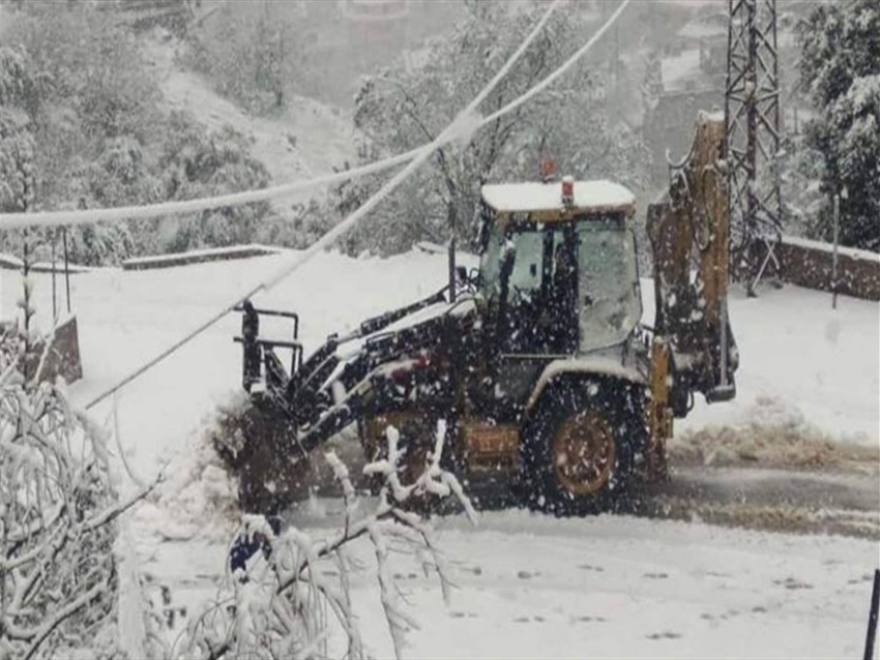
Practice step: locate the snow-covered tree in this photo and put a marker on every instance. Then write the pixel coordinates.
(16, 140)
(283, 605)
(57, 519)
(410, 103)
(198, 163)
(840, 66)
(89, 94)
(249, 53)
(79, 110)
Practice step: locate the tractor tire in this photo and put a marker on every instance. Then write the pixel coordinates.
(598, 421)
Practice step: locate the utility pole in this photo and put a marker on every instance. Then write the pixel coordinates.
(752, 117)
(834, 258)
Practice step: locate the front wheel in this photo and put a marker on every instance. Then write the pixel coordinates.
(580, 444)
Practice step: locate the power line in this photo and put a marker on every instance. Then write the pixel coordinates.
(51, 218)
(90, 216)
(451, 132)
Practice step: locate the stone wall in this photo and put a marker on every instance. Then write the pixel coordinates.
(809, 264)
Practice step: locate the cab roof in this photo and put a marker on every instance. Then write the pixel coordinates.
(531, 197)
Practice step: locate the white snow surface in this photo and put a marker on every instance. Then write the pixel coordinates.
(528, 585)
(534, 196)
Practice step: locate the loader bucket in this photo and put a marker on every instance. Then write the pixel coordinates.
(253, 438)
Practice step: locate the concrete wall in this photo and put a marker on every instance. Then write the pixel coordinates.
(809, 264)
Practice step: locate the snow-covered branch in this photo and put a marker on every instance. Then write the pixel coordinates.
(283, 598)
(57, 511)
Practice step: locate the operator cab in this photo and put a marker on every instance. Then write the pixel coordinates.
(558, 266)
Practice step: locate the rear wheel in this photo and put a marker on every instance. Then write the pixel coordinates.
(579, 449)
(583, 454)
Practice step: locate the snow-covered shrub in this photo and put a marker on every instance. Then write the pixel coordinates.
(57, 510)
(283, 604)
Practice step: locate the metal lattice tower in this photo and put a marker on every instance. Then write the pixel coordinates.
(753, 134)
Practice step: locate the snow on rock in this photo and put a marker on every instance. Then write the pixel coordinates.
(532, 196)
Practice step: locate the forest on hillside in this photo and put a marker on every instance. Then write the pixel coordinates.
(83, 125)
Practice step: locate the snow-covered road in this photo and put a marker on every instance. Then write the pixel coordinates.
(533, 587)
(529, 585)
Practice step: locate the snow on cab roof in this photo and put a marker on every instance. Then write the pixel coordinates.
(534, 196)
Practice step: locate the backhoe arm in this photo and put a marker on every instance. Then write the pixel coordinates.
(689, 235)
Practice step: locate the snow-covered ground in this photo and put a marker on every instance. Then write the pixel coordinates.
(802, 362)
(528, 585)
(532, 587)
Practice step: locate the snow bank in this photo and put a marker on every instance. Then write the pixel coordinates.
(816, 366)
(198, 496)
(772, 436)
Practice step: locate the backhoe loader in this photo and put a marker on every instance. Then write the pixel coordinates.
(550, 385)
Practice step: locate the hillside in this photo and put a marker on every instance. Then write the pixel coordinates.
(309, 138)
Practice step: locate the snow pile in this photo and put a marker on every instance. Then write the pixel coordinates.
(198, 496)
(772, 436)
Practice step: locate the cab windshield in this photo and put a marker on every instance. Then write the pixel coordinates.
(609, 299)
(571, 287)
